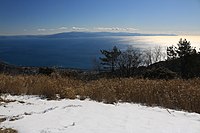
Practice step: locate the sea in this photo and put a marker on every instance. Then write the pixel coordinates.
(79, 52)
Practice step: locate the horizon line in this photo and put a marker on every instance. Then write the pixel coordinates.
(43, 34)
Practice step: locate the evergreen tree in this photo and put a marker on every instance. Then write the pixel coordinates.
(171, 53)
(110, 59)
(183, 51)
(184, 48)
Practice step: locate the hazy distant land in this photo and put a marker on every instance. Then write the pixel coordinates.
(84, 34)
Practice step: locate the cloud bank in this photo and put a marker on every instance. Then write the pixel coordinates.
(79, 29)
(115, 29)
(82, 29)
(41, 29)
(62, 28)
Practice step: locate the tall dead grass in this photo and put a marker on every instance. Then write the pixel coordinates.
(8, 130)
(175, 94)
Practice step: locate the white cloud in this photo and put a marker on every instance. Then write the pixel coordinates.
(115, 29)
(95, 29)
(102, 29)
(51, 29)
(131, 29)
(41, 29)
(63, 28)
(79, 29)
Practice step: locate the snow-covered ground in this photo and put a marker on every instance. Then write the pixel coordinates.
(30, 114)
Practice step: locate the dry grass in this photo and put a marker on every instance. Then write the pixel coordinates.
(8, 130)
(175, 94)
(2, 120)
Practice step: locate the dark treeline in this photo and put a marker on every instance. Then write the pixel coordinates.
(181, 61)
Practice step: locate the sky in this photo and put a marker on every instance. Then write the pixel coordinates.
(32, 17)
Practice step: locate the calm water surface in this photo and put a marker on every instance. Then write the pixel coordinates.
(76, 52)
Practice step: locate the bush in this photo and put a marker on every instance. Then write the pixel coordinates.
(160, 73)
(45, 70)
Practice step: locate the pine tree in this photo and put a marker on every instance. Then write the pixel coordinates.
(171, 53)
(183, 51)
(110, 59)
(184, 48)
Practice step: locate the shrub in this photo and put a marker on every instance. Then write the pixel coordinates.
(45, 70)
(160, 73)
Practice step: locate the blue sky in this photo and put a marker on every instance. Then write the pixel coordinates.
(19, 17)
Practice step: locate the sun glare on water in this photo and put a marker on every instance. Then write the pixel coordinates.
(163, 41)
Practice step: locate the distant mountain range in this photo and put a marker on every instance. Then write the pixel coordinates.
(83, 34)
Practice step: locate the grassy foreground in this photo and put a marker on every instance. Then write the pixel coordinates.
(174, 94)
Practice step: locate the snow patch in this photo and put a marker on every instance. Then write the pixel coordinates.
(36, 115)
